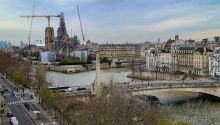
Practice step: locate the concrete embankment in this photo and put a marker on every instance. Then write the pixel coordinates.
(163, 76)
(139, 77)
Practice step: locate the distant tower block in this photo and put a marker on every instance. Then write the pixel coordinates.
(97, 85)
(176, 37)
(217, 39)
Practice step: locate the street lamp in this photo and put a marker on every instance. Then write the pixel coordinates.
(148, 83)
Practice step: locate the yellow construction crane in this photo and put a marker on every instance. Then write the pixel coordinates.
(49, 29)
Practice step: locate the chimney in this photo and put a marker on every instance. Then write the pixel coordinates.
(176, 37)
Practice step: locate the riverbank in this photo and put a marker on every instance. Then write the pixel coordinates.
(139, 77)
(150, 75)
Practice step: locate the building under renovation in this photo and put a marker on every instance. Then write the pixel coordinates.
(63, 40)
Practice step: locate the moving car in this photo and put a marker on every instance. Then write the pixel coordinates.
(68, 90)
(9, 114)
(13, 121)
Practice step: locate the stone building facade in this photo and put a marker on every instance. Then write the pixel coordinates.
(186, 57)
(164, 61)
(158, 61)
(151, 59)
(117, 51)
(201, 61)
(182, 56)
(214, 63)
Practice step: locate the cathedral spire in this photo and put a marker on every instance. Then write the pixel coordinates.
(61, 33)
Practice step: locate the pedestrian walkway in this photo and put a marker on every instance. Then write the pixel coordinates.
(4, 120)
(18, 102)
(50, 123)
(16, 93)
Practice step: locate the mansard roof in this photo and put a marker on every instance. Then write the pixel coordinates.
(201, 50)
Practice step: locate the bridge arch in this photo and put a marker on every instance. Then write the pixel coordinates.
(213, 91)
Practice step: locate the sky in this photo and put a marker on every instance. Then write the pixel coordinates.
(113, 21)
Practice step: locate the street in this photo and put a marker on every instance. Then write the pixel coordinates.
(15, 103)
(162, 83)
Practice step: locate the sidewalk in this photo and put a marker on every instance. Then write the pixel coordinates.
(43, 112)
(4, 120)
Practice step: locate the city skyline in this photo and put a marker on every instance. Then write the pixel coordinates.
(117, 22)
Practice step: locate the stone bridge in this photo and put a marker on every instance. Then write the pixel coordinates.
(209, 90)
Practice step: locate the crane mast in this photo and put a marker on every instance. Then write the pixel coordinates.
(29, 36)
(83, 36)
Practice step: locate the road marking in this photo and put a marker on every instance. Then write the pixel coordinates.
(49, 123)
(16, 93)
(17, 102)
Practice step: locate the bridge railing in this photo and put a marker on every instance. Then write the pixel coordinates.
(173, 87)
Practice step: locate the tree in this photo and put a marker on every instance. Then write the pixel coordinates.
(19, 77)
(104, 60)
(41, 77)
(115, 107)
(184, 78)
(47, 98)
(14, 68)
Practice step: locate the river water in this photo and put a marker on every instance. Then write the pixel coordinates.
(116, 75)
(195, 112)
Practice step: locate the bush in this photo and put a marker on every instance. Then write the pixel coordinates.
(114, 107)
(105, 60)
(181, 123)
(71, 62)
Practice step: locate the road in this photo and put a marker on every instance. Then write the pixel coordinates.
(14, 103)
(161, 83)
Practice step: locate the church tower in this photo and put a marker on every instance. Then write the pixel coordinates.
(61, 33)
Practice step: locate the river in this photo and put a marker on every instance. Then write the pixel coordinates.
(195, 112)
(116, 75)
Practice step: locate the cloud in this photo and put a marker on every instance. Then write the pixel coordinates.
(199, 35)
(176, 23)
(106, 20)
(9, 25)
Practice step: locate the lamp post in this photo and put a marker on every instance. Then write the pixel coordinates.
(148, 83)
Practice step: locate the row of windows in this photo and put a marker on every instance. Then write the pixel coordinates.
(182, 51)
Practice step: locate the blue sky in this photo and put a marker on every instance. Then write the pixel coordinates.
(114, 21)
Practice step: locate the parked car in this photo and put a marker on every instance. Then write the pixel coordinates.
(27, 106)
(78, 89)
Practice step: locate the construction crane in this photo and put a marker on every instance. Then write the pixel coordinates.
(29, 35)
(83, 35)
(49, 29)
